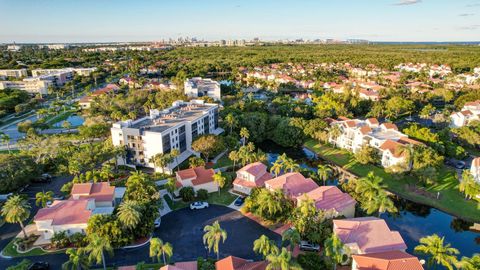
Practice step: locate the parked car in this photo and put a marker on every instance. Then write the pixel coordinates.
(157, 222)
(460, 164)
(39, 266)
(239, 201)
(44, 178)
(59, 197)
(198, 205)
(307, 246)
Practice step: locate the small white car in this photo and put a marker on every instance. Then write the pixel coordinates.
(198, 205)
(307, 246)
(157, 222)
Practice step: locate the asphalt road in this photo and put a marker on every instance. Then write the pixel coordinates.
(184, 230)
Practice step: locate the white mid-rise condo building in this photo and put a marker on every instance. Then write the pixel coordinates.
(14, 73)
(162, 131)
(198, 87)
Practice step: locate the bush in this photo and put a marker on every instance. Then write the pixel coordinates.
(187, 194)
(311, 261)
(60, 240)
(77, 239)
(203, 264)
(202, 194)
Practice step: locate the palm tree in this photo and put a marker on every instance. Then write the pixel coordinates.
(220, 180)
(324, 172)
(263, 245)
(438, 252)
(291, 165)
(171, 185)
(174, 153)
(5, 139)
(369, 186)
(334, 132)
(231, 121)
(213, 234)
(158, 248)
(161, 160)
(334, 249)
(97, 246)
(292, 236)
(472, 263)
(244, 134)
(267, 202)
(234, 156)
(129, 213)
(281, 261)
(16, 210)
(278, 165)
(76, 260)
(106, 172)
(42, 198)
(468, 185)
(381, 204)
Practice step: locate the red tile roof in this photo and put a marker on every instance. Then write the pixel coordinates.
(476, 162)
(369, 233)
(181, 266)
(199, 175)
(65, 212)
(365, 130)
(235, 263)
(292, 184)
(373, 121)
(390, 126)
(101, 191)
(330, 197)
(394, 148)
(390, 260)
(258, 170)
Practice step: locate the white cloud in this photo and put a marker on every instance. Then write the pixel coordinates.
(466, 14)
(407, 2)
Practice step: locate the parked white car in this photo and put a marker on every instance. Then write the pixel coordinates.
(157, 222)
(198, 205)
(307, 246)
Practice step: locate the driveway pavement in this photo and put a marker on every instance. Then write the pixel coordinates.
(184, 230)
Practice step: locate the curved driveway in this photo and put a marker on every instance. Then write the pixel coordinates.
(184, 230)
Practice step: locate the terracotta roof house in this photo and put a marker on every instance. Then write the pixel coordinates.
(198, 178)
(181, 266)
(251, 176)
(390, 260)
(293, 184)
(367, 235)
(330, 198)
(235, 263)
(86, 100)
(72, 215)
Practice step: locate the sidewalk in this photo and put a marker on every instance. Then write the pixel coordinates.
(166, 209)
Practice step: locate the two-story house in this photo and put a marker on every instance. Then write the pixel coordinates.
(251, 176)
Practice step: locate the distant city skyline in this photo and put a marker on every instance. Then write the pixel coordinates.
(64, 21)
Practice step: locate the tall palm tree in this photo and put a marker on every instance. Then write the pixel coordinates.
(472, 263)
(324, 172)
(97, 246)
(77, 259)
(292, 236)
(263, 245)
(42, 198)
(439, 253)
(234, 156)
(244, 134)
(161, 160)
(171, 185)
(468, 185)
(159, 248)
(129, 213)
(213, 234)
(334, 132)
(291, 165)
(282, 261)
(369, 186)
(278, 165)
(220, 180)
(231, 121)
(334, 249)
(267, 202)
(16, 210)
(106, 172)
(381, 204)
(174, 153)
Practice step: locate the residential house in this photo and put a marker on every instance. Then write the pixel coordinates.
(130, 82)
(390, 260)
(72, 215)
(85, 102)
(198, 178)
(367, 235)
(181, 266)
(235, 263)
(470, 112)
(293, 185)
(251, 176)
(475, 169)
(331, 199)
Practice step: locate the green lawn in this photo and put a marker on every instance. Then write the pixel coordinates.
(451, 200)
(10, 250)
(224, 198)
(224, 161)
(174, 205)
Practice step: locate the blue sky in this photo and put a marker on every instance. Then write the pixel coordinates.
(149, 20)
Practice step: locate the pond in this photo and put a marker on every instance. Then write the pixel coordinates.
(413, 221)
(74, 120)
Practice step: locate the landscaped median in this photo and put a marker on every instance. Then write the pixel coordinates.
(11, 250)
(450, 201)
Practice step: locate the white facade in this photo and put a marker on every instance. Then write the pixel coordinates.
(198, 87)
(161, 131)
(31, 85)
(475, 169)
(14, 73)
(470, 112)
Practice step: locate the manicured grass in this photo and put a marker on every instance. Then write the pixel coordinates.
(451, 200)
(13, 151)
(222, 198)
(11, 251)
(224, 161)
(174, 205)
